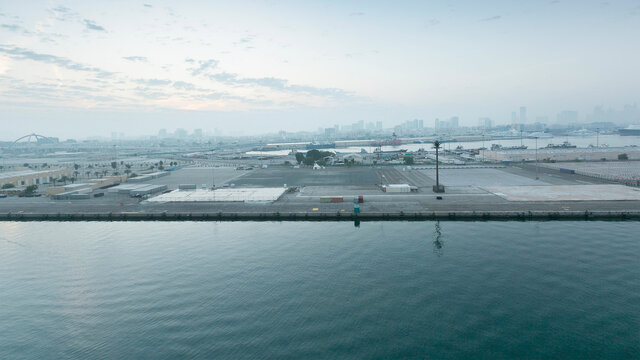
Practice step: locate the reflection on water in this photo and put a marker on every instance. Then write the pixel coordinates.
(438, 243)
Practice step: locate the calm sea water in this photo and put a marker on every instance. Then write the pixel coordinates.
(320, 290)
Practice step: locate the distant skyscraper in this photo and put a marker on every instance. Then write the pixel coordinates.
(330, 132)
(485, 123)
(514, 118)
(567, 117)
(180, 133)
(523, 115)
(453, 122)
(162, 133)
(379, 125)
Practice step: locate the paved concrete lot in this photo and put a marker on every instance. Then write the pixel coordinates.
(399, 175)
(221, 195)
(278, 176)
(199, 176)
(481, 177)
(614, 170)
(472, 195)
(340, 190)
(566, 192)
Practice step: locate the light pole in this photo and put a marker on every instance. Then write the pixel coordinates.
(597, 137)
(482, 149)
(536, 158)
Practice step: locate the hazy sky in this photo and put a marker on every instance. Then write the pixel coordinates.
(82, 68)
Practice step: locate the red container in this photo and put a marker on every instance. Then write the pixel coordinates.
(336, 199)
(360, 199)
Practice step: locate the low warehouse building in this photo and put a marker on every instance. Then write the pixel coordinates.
(28, 177)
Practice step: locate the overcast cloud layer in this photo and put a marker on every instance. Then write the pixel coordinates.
(77, 68)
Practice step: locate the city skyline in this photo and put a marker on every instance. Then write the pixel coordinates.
(72, 69)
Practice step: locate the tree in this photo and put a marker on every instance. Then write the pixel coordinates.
(30, 189)
(8, 186)
(76, 166)
(299, 157)
(114, 164)
(623, 157)
(316, 156)
(437, 188)
(64, 179)
(408, 160)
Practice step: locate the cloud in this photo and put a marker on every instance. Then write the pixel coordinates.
(93, 26)
(278, 84)
(147, 5)
(181, 85)
(63, 13)
(431, 23)
(25, 54)
(493, 18)
(357, 13)
(15, 28)
(152, 82)
(204, 66)
(135, 58)
(151, 94)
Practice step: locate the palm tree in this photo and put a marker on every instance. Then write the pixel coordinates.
(437, 188)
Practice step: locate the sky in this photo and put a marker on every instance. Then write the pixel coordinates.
(76, 69)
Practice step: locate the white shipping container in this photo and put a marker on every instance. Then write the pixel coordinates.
(397, 188)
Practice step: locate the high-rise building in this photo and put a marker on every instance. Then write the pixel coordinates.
(523, 115)
(485, 123)
(180, 133)
(378, 125)
(514, 118)
(330, 132)
(567, 117)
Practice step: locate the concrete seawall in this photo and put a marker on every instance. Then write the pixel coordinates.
(327, 216)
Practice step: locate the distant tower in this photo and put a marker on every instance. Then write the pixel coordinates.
(523, 115)
(514, 118)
